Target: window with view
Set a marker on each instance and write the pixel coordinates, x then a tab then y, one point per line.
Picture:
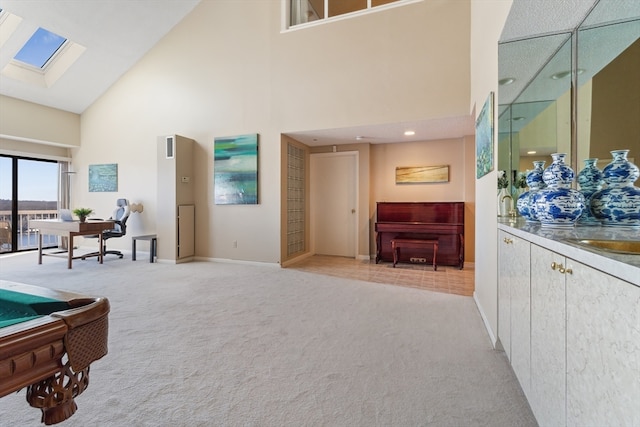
303	11
28	190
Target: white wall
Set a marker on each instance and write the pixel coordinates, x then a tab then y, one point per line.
386	157
18	147
487	20
227	69
26	121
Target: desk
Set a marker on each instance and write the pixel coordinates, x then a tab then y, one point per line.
48	339
70	229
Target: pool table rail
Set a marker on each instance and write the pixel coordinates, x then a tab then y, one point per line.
32	353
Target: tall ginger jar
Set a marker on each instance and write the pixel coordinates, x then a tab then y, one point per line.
558	205
618	204
590	180
535	183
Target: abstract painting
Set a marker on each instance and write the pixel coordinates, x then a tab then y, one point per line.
103	178
484	139
422	174
235	170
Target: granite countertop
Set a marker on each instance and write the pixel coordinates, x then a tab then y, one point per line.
622	266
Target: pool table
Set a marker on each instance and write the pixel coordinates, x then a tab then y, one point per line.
48	339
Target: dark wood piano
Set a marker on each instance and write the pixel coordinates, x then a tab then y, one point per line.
443	221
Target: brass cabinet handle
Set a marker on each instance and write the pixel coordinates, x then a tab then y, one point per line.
507	240
567	271
561	269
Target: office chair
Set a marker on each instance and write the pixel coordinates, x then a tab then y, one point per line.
119	216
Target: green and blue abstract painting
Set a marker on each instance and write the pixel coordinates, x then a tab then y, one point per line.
235	170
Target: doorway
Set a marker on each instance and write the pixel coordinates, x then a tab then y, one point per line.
333	203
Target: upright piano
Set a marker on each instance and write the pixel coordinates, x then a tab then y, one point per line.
443	221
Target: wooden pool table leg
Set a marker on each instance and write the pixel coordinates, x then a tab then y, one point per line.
54	396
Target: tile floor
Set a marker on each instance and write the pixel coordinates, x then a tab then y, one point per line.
447	279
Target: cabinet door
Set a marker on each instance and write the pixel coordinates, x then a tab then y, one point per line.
603	349
548	343
514	304
504	290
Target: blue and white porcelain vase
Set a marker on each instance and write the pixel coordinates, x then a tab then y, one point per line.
535	183
590	180
558	205
618	205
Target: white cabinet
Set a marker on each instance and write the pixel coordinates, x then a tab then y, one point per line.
548	345
504	291
603	349
572	335
514	304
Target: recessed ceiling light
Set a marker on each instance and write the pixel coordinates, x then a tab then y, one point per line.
409	133
359	138
563	74
506	81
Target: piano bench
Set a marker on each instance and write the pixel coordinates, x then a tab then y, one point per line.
398	243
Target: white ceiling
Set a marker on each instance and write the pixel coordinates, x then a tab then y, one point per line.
532	61
521	57
118	33
115	33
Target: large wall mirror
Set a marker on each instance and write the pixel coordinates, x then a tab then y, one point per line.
538	112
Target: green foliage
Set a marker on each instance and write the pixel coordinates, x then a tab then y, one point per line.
82	212
521	180
503	181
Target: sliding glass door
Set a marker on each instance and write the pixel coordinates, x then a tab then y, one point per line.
28	190
6	197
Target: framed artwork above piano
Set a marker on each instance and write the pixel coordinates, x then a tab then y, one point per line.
442	221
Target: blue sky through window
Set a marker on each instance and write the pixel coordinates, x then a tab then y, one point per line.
40	48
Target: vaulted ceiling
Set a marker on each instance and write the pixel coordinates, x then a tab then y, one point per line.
117	34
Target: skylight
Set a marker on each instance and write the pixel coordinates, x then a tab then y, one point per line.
42	45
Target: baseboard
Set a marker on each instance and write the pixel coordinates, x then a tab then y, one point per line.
487	326
299	258
238	261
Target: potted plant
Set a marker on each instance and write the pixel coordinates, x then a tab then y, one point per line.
82	213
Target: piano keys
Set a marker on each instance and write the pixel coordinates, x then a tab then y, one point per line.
443	221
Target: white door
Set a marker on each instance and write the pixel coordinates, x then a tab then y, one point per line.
333	200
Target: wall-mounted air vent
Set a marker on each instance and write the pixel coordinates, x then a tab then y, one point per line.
169	147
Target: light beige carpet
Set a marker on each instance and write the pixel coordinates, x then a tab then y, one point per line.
221	344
